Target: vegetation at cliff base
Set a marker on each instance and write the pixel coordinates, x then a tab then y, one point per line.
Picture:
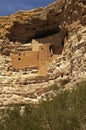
67	111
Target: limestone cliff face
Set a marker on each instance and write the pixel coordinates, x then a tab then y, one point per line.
65	16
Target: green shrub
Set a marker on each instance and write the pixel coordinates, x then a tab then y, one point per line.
67	111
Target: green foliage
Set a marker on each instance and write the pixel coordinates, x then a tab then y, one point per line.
67	111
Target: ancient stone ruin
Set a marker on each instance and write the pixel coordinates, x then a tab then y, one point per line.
42	47
39	53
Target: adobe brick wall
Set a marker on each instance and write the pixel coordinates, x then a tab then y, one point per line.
31	58
40	56
25	59
35	45
55	39
44	54
58	50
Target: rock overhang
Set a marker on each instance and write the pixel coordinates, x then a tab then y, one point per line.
26	25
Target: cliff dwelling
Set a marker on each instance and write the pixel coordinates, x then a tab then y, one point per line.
39	54
48	43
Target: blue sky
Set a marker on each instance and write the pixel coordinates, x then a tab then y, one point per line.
8	7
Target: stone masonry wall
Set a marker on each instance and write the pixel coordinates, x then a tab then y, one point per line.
25	59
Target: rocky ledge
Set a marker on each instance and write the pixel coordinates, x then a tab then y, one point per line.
69	69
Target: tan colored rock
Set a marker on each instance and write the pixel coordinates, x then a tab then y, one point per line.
66	17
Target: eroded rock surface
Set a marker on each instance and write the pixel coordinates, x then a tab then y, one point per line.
65	16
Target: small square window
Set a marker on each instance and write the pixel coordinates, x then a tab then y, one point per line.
19	58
